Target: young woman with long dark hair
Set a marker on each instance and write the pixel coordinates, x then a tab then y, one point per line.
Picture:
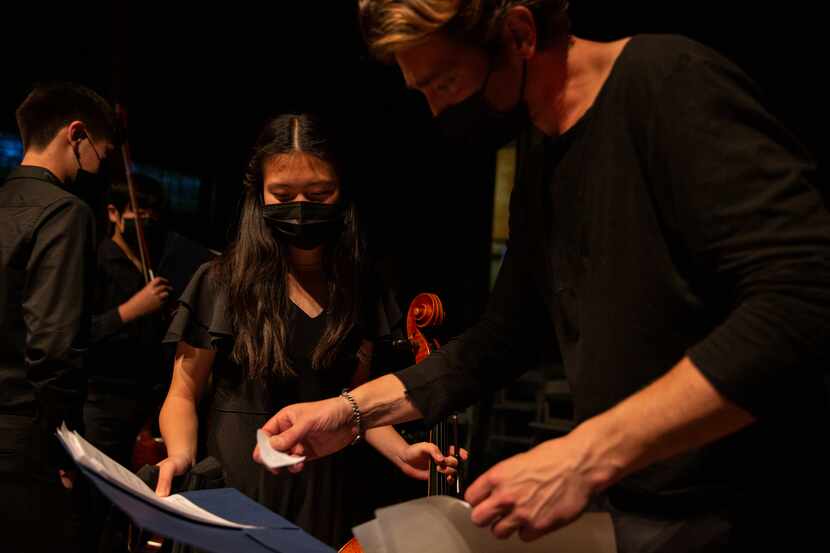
287	314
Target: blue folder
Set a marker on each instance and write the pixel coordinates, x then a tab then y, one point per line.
275	535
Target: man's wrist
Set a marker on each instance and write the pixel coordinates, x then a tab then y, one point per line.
606	450
354	415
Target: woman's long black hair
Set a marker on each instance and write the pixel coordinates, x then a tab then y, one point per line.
254	270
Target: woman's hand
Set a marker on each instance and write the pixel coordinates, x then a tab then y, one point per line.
175	465
414	461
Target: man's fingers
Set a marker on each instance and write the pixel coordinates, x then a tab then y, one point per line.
505	527
287	439
489	512
278	423
480	489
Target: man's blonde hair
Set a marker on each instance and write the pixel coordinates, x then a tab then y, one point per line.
390	25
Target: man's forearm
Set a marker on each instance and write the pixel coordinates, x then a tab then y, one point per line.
383	401
677	413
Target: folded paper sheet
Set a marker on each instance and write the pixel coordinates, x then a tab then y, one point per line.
272	458
441	524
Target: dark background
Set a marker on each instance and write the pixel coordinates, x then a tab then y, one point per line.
198	83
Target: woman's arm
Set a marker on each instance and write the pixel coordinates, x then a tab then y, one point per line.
178	420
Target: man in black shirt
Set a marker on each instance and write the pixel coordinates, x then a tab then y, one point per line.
46	275
667	235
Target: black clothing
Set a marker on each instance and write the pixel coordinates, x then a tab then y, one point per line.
129	367
46	277
677	217
321	499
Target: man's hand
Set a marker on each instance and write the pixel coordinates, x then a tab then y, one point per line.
541	490
312	430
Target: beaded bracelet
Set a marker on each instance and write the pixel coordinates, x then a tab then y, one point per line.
355	414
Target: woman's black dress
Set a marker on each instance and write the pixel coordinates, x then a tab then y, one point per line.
319	499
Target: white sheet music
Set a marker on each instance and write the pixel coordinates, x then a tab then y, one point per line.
92	458
441	524
272	458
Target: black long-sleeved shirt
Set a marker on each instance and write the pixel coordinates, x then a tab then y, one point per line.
132	353
46	275
676	218
122	352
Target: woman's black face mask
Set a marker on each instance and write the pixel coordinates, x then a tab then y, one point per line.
304	225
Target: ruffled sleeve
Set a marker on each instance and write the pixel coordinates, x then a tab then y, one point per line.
202	319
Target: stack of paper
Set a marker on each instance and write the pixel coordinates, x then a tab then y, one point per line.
441	524
89	456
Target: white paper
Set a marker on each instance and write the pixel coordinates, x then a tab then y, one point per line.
441	524
84	453
370	537
272	458
420	525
